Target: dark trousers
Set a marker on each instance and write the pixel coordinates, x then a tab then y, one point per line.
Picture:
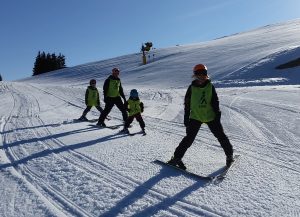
215	127
110	102
139	119
88	108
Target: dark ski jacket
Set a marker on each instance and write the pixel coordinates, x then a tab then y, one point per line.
187	100
106	87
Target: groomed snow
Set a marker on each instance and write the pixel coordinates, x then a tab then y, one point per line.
53	166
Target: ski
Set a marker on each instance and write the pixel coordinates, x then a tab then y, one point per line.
186	172
110	127
223	174
142	133
113	127
91	120
219	176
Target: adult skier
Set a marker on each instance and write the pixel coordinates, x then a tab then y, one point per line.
135	109
201	105
113	91
91	99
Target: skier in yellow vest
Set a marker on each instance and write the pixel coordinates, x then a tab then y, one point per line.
113	91
135	108
201	106
91	99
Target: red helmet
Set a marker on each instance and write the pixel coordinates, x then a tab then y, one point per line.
200	69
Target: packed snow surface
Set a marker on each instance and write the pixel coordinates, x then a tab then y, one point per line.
53	166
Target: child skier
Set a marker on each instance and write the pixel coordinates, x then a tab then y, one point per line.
201	105
134	107
91	99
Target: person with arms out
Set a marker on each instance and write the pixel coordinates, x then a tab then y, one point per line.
113	91
91	99
201	105
135	109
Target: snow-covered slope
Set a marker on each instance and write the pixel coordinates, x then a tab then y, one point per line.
227	58
53	166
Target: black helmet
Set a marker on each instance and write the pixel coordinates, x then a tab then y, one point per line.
92	81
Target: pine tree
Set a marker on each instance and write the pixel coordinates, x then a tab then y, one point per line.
0	77
62	61
48	62
37	64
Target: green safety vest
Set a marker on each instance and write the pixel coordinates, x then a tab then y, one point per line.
113	88
201	108
93	96
134	106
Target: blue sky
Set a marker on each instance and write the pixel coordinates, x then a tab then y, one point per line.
91	30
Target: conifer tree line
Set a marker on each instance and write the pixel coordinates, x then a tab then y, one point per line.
48	62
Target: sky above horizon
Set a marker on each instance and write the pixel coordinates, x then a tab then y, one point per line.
87	31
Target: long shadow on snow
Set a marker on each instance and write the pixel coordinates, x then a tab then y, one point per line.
164	204
33	127
61	149
52	136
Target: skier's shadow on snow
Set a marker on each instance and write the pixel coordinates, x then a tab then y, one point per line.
31	127
47	152
166	201
51	136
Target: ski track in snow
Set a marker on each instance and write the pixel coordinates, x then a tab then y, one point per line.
51	166
53	169
78	162
279	149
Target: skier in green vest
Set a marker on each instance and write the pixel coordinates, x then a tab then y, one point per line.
135	108
113	91
201	106
91	99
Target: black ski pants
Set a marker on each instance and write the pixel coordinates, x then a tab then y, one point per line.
139	119
88	108
109	104
215	127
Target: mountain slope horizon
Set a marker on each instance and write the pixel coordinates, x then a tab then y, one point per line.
256	53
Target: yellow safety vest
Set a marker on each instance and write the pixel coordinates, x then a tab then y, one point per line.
134	107
93	96
113	88
201	108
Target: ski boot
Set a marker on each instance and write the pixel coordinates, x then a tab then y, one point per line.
143	131
125	130
229	161
82	118
177	163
